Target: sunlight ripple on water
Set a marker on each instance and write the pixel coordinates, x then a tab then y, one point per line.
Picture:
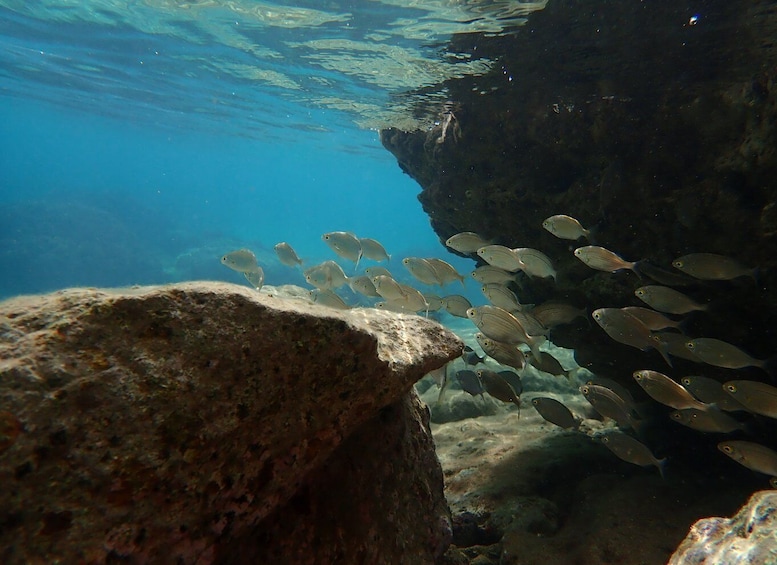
268	63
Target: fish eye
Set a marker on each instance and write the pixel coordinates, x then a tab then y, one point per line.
676	416
535	401
727	449
686	381
677	264
690	345
605	439
731	388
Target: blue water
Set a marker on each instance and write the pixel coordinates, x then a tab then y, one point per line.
141	143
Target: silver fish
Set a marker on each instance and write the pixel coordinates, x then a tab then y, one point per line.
665	299
500	325
652	319
287	255
433	302
456	305
373	272
710	391
421	270
503	353
345	244
394	306
388	288
466	242
255	278
752	455
712	267
470	382
327	298
501	257
555	412
632	451
675	343
499	295
721	354
565	227
470	356
756	397
446	273
489	274
625	328
610	405
547	364
327	275
363	285
497	387
603	259
531	324
665	390
551	314
709	419
614	386
242	261
413	299
372	249
535	263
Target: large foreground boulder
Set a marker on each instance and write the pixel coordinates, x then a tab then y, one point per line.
206	422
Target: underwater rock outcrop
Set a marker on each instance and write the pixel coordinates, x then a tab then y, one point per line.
648	123
206	422
748	537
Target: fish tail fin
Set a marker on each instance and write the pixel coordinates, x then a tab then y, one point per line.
635	268
358	258
663	348
534	345
661	464
590	234
770	367
682	326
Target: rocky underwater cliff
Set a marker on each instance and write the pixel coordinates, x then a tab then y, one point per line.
653	124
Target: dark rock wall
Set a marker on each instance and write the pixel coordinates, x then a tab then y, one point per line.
655	130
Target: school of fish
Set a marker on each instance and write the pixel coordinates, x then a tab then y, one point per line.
511	333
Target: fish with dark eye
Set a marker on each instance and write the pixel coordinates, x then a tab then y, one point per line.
327	298
632	451
628	330
345	244
373	249
711	391
712	267
610	405
374	271
470	382
499	295
242	261
752	455
666	390
756	397
501	257
555	412
653	320
422	270
286	254
535	263
498	387
501	325
722	354
668	300
327	275
363	285
456	305
565	227
466	242
603	259
446	273
709	420
503	353
547	364
489	274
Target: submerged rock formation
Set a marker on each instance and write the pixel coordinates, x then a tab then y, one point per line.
207	422
748	537
648	122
